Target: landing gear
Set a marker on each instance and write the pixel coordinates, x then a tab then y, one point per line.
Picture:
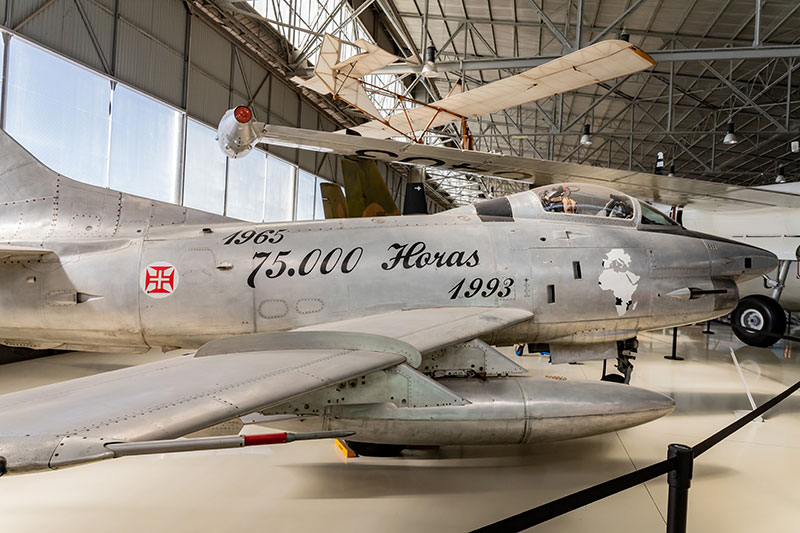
758	320
519	348
625	351
371	449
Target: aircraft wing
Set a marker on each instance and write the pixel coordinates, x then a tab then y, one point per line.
226	379
76	421
649	187
594	64
431	329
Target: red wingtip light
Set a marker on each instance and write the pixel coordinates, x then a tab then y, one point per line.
243	114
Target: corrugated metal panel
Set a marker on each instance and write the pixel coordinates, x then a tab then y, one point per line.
59	26
208	99
287	154
283	105
329	167
210	51
261	101
253	74
260	112
163	19
308	117
21	10
148	64
326	124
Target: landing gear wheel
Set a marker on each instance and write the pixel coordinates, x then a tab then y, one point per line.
613	378
371	449
762	314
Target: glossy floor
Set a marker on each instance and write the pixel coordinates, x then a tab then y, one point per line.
746	483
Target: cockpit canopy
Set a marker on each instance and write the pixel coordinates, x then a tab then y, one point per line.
585	200
578	201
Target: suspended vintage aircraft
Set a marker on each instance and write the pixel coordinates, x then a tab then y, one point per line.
378	327
343	79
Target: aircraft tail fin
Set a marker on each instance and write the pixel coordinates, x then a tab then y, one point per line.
367	193
333	201
37	204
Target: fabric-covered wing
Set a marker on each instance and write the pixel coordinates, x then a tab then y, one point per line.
596	63
343	78
431	329
227	378
650	187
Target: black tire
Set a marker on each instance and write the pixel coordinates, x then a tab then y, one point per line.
761	313
613	378
371	449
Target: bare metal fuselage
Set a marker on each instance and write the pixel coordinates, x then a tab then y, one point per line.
236	278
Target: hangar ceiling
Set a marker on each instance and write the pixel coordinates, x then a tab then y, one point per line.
717	62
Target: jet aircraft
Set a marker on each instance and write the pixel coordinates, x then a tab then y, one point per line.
381	328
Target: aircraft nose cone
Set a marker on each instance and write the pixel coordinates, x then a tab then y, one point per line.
763	262
579	409
738	261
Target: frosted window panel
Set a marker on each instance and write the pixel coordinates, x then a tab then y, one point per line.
246	178
280	190
204	170
59	112
145	146
306	187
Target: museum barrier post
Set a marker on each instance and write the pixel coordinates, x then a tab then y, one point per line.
679	480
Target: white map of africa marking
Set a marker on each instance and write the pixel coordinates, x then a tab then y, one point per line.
619	280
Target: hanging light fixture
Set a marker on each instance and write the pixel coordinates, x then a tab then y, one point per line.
586	138
429	69
730	137
780	178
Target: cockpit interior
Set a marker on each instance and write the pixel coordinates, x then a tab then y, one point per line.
580	200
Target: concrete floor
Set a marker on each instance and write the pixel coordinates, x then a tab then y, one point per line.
746	483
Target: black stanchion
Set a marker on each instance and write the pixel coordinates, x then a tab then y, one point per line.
674	356
708	331
679	480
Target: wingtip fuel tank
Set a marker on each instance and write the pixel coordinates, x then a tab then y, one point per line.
511	410
237	133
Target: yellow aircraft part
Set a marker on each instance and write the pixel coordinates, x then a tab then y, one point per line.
367	194
344	449
333	202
